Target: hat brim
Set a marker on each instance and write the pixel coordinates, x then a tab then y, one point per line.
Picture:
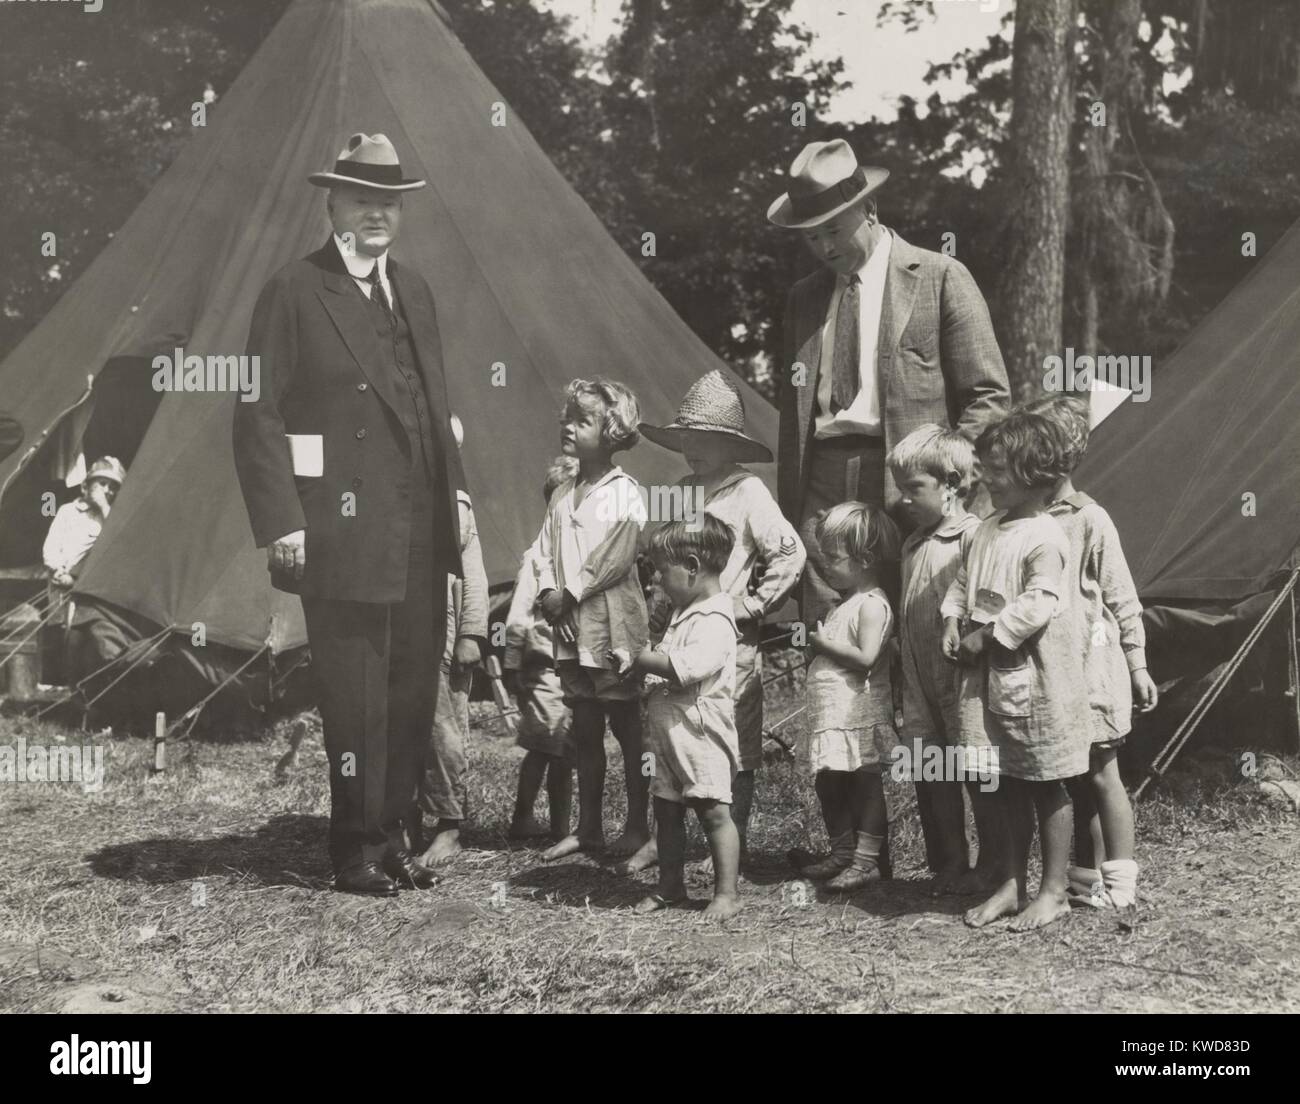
779	214
740	449
330	180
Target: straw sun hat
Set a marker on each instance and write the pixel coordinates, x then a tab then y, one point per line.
714	407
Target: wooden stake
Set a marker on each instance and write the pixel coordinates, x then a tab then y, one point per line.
159	743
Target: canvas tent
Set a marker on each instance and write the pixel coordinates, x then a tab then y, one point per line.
522	272
1203	483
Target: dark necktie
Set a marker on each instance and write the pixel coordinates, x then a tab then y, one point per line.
377	290
847	350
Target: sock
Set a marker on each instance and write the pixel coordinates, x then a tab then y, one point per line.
1121	876
867	852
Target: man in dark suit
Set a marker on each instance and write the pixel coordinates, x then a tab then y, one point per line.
350	478
883	338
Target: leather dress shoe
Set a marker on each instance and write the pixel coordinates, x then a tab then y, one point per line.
367	879
408	871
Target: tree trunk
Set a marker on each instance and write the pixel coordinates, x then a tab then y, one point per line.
1030	302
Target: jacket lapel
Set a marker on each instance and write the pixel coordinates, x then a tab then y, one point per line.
417	308
901	283
347	308
811	318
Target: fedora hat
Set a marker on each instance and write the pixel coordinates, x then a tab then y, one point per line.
712	406
825	180
370	161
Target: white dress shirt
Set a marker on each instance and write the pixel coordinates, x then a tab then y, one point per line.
863	415
359	266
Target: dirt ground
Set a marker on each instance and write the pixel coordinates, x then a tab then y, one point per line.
205	889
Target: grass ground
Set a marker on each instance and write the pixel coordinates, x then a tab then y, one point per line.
205	889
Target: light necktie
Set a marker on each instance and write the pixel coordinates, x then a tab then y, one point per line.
847	351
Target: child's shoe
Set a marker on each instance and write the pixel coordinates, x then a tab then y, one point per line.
839	858
1086	888
866	865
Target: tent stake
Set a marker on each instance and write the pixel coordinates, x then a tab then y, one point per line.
159	743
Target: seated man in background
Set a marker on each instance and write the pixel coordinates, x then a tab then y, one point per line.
77	525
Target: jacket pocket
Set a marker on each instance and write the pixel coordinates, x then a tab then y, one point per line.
1011	681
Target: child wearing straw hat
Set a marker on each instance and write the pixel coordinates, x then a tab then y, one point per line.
709	432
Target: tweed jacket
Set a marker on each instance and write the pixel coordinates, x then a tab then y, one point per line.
937	360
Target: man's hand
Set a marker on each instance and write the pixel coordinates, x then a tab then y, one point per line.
951	639
466	653
1145	694
289	554
740	611
973	645
566	629
552	605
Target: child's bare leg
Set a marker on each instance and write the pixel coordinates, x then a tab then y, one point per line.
1009	818
670	830
625	720
991	831
524	825
870	826
742	802
948	823
559	793
1114	810
724	847
1055	827
834	794
589	748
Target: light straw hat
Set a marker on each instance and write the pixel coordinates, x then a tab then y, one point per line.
712	406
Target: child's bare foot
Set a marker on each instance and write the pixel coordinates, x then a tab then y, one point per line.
655	902
946	881
568	846
445	847
646	857
528	828
1006	901
1043	910
723	907
973	882
853	878
629	843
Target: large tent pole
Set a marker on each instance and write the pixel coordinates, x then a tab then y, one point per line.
1293	670
1169	752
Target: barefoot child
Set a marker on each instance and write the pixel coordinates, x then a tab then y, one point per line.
544	720
589	592
850	695
1022	683
934	471
709	431
1110	637
690	711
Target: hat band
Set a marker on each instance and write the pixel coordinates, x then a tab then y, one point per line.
374	174
810	206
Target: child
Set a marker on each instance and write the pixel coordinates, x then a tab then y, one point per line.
934	470
77	524
1022	688
850	695
544	721
589	592
709	432
690	712
442	791
1109	633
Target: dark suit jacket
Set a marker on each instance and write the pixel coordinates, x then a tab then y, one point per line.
938	360
321	374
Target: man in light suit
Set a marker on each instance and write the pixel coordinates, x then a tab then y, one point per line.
884	337
350	475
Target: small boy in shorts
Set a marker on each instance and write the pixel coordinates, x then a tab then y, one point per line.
691	711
